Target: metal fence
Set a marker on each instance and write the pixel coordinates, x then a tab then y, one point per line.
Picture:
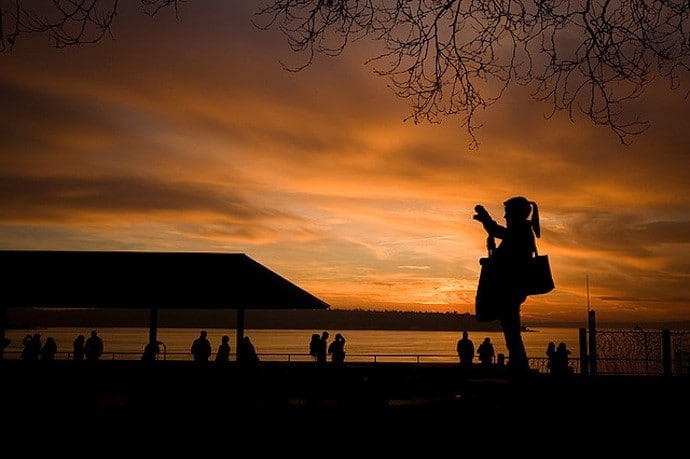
639	352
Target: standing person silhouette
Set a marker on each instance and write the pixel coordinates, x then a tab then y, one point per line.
32	346
551	355
93	347
78	348
323	348
486	352
223	354
337	349
561	367
314	345
201	348
49	349
246	353
151	351
512	257
465	349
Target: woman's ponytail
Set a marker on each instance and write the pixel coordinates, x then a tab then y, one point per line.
535	219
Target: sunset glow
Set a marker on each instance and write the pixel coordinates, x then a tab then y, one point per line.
187	135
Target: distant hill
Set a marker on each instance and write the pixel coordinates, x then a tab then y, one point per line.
613	325
332	319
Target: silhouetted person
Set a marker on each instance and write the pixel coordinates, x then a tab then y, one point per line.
151	351
246	354
314	345
551	356
26	350
223	354
93	347
78	347
465	349
32	347
485	352
511	260
49	349
201	348
323	348
337	349
561	367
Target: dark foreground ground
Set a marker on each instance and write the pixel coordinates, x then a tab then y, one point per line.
296	405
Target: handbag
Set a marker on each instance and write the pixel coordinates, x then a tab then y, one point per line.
539	279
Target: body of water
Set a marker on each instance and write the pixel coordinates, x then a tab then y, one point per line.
281	345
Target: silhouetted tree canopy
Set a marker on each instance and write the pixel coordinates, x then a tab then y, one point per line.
453	57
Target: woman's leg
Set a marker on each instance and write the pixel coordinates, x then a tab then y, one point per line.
510	323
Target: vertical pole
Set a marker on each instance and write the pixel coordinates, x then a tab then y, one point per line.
666	352
240	332
592	343
584	361
153	325
3	327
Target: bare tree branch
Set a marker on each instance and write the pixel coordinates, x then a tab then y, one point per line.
451	57
65	22
454	57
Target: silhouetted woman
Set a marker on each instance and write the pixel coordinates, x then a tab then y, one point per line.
78	347
551	355
49	349
511	260
246	353
314	345
322	350
223	354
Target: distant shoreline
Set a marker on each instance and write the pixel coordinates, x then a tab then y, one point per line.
344	319
353	319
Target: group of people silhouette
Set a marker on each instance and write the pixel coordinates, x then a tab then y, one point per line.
557	363
319	348
466	351
201	350
82	348
91	348
35	349
558	359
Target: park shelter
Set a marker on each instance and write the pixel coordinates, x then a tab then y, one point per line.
150	280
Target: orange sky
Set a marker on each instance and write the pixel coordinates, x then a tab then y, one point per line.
188	135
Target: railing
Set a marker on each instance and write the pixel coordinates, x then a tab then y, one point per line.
270	357
536	363
619	364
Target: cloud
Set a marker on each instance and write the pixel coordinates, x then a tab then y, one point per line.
187	134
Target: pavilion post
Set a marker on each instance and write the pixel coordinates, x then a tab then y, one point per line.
153	325
3	327
240	332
